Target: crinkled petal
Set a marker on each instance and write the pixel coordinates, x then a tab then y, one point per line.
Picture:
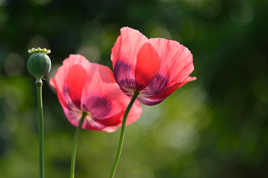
105	101
91	124
124	56
157	98
69	80
176	59
71	112
127	46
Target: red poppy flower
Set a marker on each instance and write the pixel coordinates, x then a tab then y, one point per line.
82	86
154	67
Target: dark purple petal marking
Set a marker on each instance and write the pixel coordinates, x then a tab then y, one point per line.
73	115
124	76
158	84
150	102
97	106
69	102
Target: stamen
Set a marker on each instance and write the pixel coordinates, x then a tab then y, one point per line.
39	50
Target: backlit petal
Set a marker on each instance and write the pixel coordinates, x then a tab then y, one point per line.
69	79
91	124
93	85
124	57
155	99
127	46
75	82
147	66
105	101
176	59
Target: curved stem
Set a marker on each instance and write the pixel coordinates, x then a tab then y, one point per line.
76	136
39	84
121	139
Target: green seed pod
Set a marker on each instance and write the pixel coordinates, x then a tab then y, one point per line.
39	64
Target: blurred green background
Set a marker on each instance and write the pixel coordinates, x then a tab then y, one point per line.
215	127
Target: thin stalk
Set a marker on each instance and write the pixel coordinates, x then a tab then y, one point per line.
122	133
39	84
76	136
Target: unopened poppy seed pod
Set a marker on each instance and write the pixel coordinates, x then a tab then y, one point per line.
39	63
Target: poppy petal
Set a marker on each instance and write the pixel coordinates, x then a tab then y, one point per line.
91	124
54	84
147	66
70	111
127	46
124	57
176	59
158	98
105	101
94	86
156	86
99	90
75	81
115	118
66	87
125	77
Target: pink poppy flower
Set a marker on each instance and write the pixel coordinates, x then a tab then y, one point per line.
154	67
82	86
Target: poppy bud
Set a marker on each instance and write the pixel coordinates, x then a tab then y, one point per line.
39	63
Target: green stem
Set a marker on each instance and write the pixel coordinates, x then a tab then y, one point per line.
121	139
76	135
39	84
